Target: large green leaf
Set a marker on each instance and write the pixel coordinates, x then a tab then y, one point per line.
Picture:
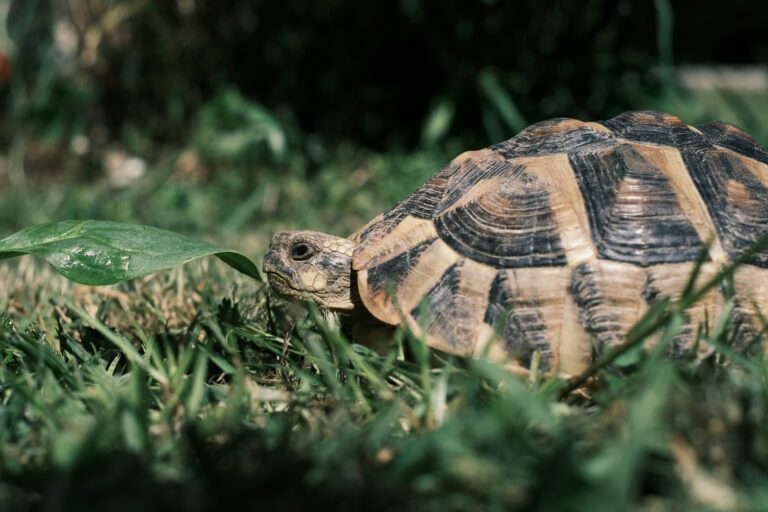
101	252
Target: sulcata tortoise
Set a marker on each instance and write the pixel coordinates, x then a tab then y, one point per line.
554	242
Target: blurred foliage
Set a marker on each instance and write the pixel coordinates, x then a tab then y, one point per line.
369	72
190	194
734	32
249	97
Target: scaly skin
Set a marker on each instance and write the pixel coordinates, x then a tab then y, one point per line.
312	266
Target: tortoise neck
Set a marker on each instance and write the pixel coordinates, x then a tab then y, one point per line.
359	314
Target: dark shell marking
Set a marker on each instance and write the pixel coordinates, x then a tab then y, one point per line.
442	312
730	137
389	276
553	136
633	211
735	195
520	322
502	218
652	128
568	232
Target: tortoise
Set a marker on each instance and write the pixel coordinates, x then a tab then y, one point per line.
552	244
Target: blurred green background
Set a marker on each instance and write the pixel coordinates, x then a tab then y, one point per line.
234	118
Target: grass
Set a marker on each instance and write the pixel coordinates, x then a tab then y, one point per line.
196	389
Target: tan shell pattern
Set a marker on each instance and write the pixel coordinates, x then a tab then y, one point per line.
556	241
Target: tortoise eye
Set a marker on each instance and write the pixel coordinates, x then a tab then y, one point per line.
301	252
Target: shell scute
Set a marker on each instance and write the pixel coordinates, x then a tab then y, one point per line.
503	219
729	136
735	190
650	127
554	136
633	208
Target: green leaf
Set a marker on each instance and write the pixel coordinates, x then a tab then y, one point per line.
102	252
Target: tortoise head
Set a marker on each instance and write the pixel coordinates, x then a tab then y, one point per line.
311	266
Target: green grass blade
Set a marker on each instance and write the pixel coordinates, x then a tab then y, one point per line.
197	390
438	121
505	106
123	344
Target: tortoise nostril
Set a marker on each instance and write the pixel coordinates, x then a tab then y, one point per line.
270	262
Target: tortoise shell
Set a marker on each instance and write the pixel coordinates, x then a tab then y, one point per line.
558	240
